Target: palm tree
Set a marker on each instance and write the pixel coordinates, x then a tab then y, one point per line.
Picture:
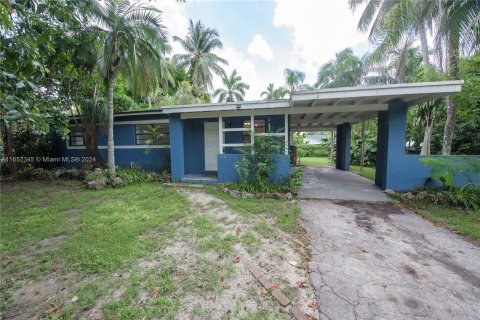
273	93
389	20
234	88
345	71
293	79
397	66
133	35
200	61
460	25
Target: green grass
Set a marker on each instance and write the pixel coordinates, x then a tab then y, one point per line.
368	172
60	227
463	222
109	246
315	161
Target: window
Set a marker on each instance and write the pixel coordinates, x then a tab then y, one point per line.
259	128
76	138
152	134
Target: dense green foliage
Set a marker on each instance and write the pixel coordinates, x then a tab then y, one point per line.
257	166
443	169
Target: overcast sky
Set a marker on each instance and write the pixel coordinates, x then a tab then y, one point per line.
262	38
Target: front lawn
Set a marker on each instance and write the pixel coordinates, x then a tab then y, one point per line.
461	221
144	251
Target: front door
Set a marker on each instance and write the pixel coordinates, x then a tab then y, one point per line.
211	146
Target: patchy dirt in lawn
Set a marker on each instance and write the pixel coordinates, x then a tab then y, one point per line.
205	278
240	293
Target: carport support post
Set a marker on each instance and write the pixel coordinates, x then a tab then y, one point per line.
177	157
343	147
392	128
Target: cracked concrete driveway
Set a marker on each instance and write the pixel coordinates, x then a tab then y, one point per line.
376	261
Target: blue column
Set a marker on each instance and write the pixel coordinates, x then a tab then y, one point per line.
392	128
343	147
177	157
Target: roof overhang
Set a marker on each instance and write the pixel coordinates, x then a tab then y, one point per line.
324	109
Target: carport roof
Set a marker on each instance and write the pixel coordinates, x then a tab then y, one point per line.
323	109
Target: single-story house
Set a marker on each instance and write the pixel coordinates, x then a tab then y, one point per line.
200	142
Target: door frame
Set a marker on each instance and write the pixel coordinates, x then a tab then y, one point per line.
210	123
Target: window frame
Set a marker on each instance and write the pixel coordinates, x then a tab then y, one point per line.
75	133
164	129
246	135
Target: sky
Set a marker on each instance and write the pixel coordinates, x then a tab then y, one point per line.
262	38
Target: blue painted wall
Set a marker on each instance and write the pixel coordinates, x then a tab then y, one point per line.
124	134
343	147
394	168
177	160
227	172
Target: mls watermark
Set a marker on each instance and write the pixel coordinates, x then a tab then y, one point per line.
38	159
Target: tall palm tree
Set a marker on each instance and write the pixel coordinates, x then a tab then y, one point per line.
273	93
460	25
234	89
293	80
345	71
199	60
133	35
388	20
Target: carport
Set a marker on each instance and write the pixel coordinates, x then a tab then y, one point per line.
338	109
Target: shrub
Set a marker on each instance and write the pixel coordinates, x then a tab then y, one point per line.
445	168
258	163
257	166
312	150
467	197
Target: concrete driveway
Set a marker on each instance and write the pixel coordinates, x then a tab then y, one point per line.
330	183
376	261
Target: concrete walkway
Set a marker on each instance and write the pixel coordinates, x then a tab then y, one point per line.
376	261
332	184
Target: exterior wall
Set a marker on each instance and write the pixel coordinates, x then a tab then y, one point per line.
126	152
394	168
227	172
343	147
177	159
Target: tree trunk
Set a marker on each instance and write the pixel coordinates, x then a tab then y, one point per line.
8	151
362	155
111	147
427	138
453	56
424	43
91	151
332	143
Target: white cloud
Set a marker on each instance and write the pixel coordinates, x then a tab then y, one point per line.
319	30
259	47
175	19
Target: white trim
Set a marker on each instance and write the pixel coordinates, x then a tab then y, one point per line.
220	135
352	97
235	129
235	144
139	146
156	121
229	106
271	134
281	111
